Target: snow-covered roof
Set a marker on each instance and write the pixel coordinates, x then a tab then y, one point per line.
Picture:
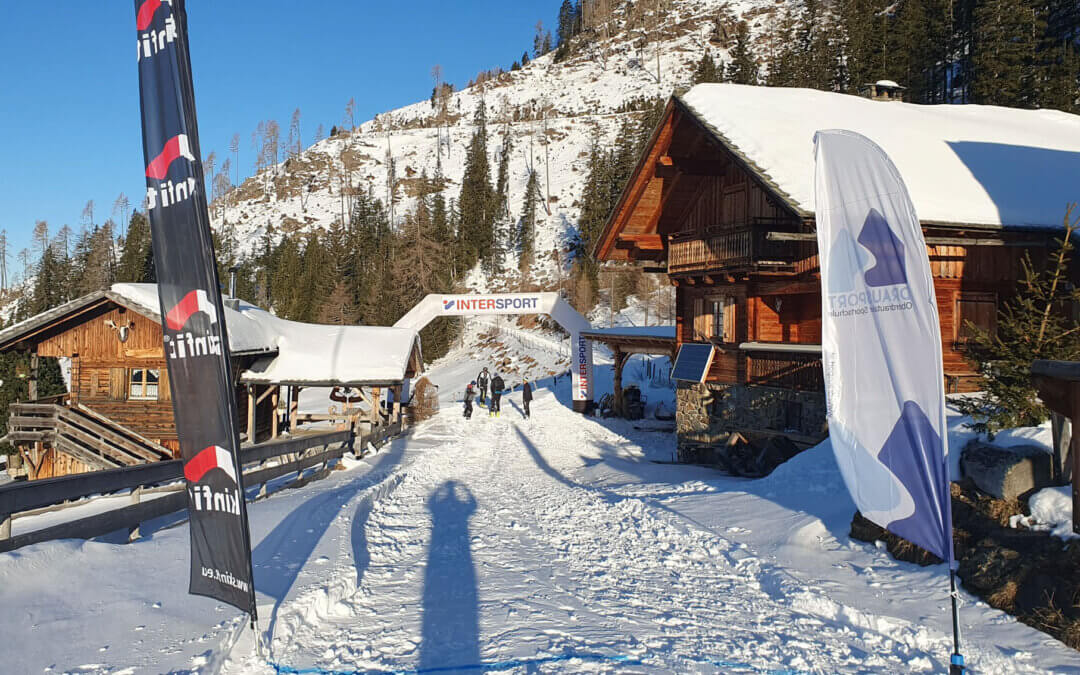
963	164
305	353
888	83
247	334
333	355
643	332
295	353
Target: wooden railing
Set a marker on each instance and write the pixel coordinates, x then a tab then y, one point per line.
788	370
724	249
27	498
93	439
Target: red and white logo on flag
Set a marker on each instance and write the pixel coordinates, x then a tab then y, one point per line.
210	457
176	147
194	302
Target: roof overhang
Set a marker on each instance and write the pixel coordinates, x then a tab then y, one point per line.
260	372
616	243
647	340
40	326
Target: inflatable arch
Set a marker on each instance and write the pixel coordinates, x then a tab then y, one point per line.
434	306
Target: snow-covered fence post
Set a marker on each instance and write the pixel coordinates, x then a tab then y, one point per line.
136	497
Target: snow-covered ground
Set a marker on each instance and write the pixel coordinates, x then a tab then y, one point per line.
555	544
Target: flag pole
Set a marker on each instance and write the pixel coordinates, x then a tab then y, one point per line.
956	663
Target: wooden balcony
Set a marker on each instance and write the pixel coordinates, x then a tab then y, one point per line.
743	248
801	372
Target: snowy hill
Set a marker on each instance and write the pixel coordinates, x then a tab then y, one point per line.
549	111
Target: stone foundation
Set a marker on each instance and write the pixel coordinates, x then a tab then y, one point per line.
706	414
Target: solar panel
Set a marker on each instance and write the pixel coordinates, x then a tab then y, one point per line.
693	362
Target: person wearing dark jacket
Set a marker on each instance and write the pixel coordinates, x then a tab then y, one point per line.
497	386
468	400
526	396
482	381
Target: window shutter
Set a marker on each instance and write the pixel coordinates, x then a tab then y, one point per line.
978	308
117	384
729	319
699	319
163	391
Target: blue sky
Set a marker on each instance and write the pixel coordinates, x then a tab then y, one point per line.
69	109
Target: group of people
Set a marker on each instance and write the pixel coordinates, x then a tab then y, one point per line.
486	381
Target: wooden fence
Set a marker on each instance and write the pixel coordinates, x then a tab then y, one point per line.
28	498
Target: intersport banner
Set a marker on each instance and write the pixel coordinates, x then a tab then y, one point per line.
191	308
881	343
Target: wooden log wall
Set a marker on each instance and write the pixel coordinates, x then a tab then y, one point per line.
727	201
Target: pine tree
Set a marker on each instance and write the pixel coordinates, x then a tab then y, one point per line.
477	201
526	233
1030	326
502	181
314	282
338	308
743	68
47	292
1004	47
136	259
707	70
565	28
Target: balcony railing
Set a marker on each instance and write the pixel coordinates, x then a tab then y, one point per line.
727	249
801	372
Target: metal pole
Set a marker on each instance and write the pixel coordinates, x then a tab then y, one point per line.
956	663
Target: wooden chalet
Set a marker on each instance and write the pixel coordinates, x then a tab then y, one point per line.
722	202
118	410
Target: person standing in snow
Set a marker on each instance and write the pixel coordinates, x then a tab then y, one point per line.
468	400
526	396
497	386
482	381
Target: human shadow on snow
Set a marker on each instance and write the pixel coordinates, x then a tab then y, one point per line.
450	630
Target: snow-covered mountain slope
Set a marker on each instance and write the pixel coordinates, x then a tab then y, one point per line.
549	111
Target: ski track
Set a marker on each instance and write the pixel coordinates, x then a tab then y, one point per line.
484	549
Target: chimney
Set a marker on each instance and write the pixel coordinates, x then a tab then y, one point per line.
232	301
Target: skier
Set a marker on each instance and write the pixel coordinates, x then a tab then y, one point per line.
526	396
468	400
497	386
482	381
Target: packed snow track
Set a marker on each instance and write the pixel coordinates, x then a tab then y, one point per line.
495	550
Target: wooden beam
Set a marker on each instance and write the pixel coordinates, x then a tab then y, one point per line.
274	403
374	402
643	241
638	182
294	407
251	414
930	241
33	384
620	361
786	287
262	396
690	166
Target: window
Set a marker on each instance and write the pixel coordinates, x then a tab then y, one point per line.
143	384
973	309
714	318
